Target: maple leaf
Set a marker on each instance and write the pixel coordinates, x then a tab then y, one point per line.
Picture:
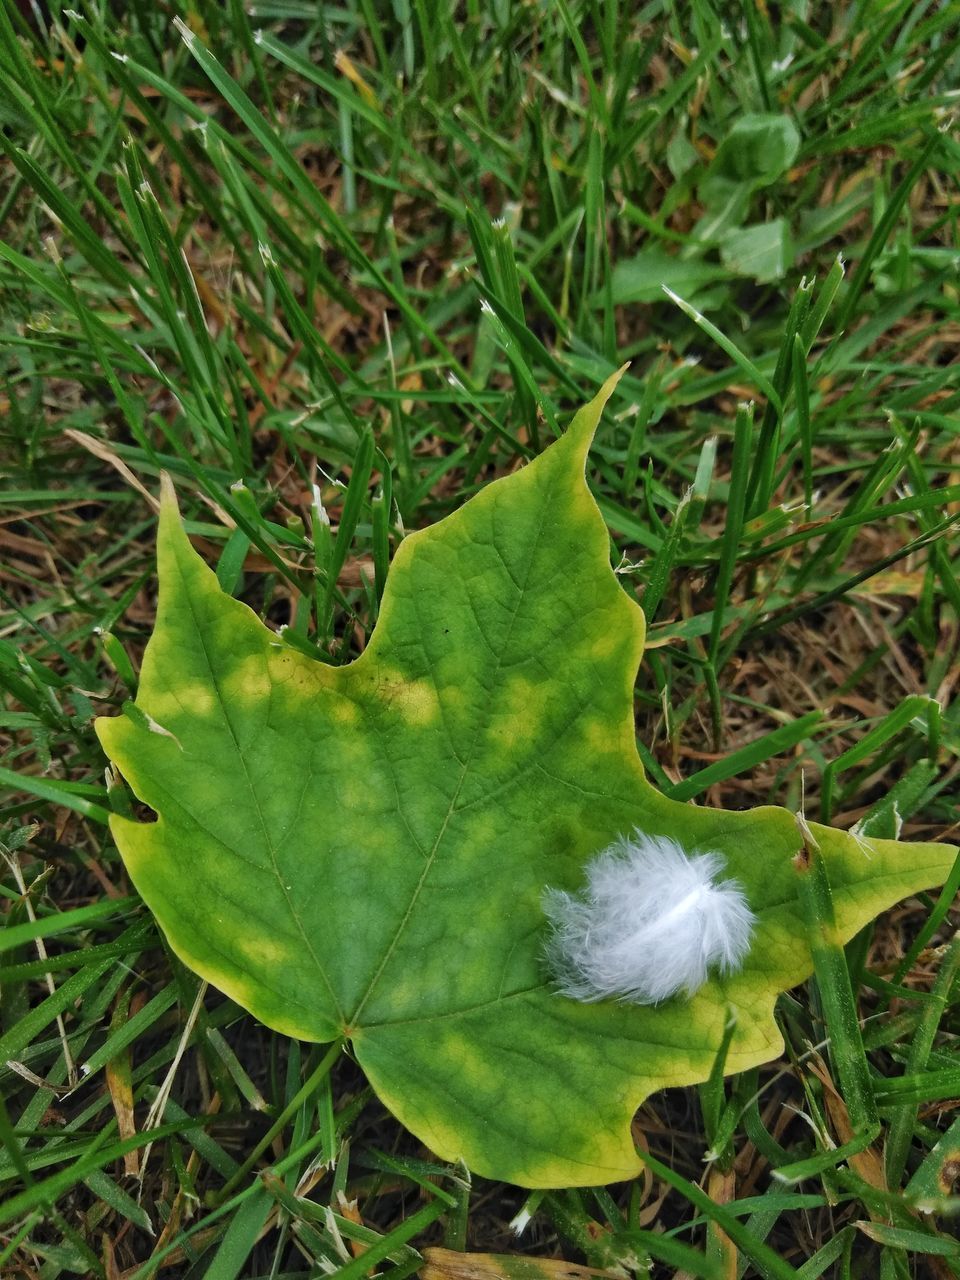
362	851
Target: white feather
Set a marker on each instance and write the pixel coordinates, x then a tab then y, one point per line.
650	923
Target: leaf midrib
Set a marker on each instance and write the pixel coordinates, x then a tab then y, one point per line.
522	587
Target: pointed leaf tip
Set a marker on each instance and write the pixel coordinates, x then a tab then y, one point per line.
168	494
169	517
584	425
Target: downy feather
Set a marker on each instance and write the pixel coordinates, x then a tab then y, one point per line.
650	923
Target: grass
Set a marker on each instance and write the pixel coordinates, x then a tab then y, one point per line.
377	253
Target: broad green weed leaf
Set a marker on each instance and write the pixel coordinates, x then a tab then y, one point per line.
755	153
642	277
361	850
764	251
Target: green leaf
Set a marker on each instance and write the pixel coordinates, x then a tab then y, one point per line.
641	278
764	251
361	851
756	152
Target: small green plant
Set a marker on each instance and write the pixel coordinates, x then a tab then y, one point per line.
361	852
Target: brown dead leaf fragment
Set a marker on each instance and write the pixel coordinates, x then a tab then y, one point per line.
722	1190
119	1073
350	1209
868	1163
448	1264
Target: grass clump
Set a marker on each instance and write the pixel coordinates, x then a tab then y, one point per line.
334	268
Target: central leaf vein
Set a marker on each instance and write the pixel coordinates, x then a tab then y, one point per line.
521	589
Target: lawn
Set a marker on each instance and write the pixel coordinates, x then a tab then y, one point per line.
334	269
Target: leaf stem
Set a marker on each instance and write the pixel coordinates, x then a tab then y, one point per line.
301	1096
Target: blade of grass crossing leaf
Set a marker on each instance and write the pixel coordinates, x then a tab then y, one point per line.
713	1098
900	1136
231	561
836	992
886	815
119	659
